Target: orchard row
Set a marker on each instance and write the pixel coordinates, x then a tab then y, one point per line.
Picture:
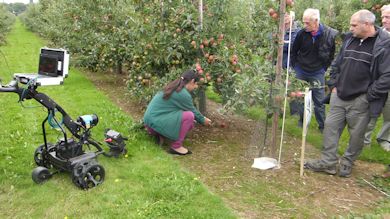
233	47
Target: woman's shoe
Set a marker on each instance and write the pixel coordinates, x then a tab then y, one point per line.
173	151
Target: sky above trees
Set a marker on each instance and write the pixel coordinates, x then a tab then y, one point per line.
17	1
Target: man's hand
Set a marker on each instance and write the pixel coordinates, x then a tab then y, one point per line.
334	90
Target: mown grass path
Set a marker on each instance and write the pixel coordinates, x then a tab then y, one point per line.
146	184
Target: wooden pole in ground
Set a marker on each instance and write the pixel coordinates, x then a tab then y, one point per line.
278	76
200	14
304	132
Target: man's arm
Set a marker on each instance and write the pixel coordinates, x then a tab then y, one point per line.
333	35
336	63
334	71
381	86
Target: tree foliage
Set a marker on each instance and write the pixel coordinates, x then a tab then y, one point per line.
16	8
6	20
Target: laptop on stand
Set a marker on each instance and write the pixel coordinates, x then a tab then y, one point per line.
53	68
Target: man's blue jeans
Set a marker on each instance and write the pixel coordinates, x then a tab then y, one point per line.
318	91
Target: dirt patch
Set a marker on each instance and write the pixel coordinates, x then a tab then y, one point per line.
223	155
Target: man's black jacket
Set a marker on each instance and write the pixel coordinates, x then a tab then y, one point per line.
326	47
379	69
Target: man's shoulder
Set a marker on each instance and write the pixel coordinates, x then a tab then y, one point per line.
346	35
383	38
331	31
383	33
300	32
326	27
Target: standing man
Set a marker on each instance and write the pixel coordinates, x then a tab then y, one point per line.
383	136
360	81
312	53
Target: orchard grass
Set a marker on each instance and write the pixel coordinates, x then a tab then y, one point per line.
211	95
148	183
372	154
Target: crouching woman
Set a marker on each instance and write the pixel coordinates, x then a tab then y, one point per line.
171	113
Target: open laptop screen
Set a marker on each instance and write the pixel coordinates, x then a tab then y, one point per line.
48	65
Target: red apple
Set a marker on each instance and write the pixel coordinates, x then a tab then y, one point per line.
193	43
198	66
293	94
205	42
290	2
211	40
271	11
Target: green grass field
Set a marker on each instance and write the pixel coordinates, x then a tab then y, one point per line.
147	184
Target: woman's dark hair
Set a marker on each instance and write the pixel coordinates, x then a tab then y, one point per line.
178	84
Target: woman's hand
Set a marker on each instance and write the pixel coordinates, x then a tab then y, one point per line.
207	121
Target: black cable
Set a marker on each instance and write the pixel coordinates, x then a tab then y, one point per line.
22	96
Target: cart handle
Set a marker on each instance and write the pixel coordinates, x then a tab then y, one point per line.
10	87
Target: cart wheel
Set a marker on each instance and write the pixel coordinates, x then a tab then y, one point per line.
77	175
40	175
88	176
39	156
94	176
